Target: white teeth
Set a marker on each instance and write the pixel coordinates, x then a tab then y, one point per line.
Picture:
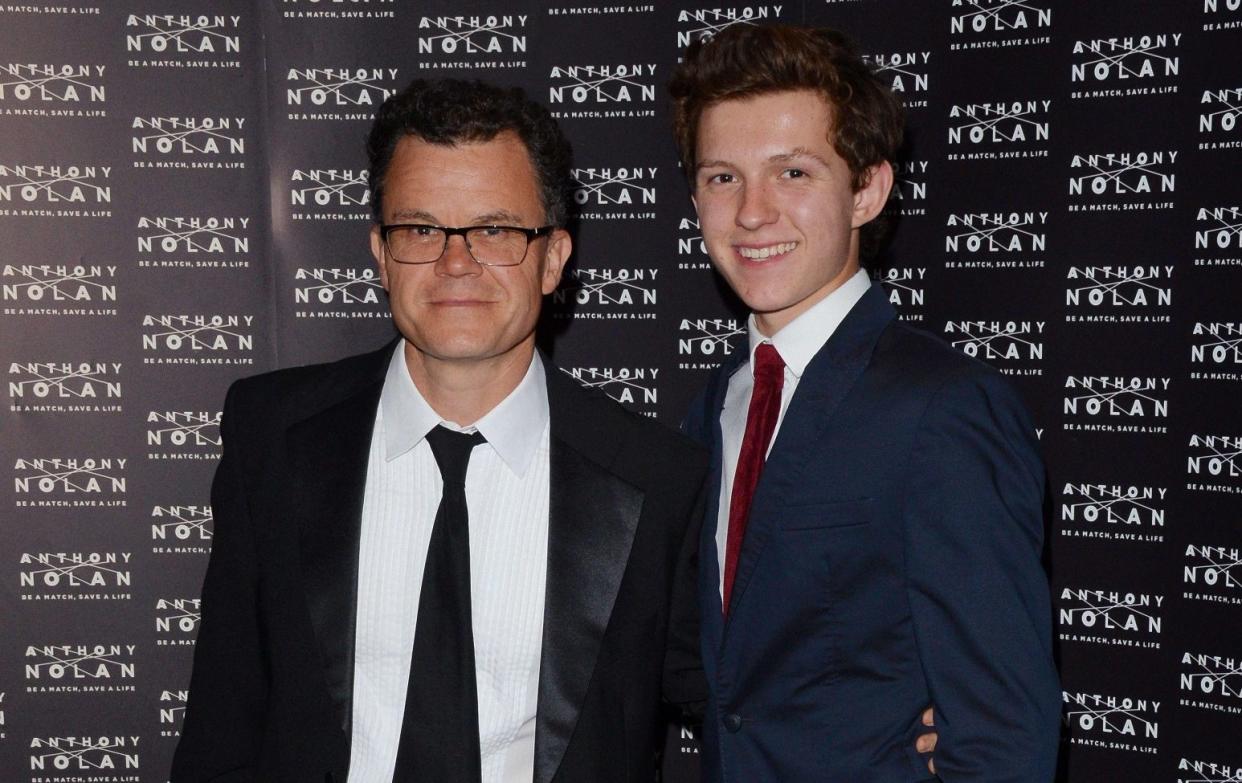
760	253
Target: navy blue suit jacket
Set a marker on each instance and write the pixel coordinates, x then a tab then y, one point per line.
892	561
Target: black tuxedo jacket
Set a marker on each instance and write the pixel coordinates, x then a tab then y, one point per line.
273	667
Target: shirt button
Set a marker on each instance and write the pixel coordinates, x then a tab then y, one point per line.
733	723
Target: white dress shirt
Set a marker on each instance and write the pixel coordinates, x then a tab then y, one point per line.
507	497
797	344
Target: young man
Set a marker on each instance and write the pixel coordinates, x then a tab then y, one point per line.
392	597
874	528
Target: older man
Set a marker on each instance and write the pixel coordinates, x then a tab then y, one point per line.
444	561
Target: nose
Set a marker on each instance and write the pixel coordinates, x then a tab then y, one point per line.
757	208
456	260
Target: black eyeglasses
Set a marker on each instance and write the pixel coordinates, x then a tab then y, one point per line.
415	243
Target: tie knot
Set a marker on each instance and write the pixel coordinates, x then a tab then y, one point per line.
452	452
768	363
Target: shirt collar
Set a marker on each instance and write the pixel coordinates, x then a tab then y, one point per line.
804	336
514	428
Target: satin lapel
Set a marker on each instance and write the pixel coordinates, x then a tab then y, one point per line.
592	520
826	381
329	455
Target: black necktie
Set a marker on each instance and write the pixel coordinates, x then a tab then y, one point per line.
440	731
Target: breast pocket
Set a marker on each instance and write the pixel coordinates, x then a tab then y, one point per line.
826	515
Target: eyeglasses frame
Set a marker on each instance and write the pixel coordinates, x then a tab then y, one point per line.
451	231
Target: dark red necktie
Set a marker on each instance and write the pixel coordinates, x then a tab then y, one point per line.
765	408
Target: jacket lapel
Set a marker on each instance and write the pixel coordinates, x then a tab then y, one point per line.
593	516
328	454
711	615
828	378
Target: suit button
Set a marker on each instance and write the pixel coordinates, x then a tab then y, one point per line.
733	723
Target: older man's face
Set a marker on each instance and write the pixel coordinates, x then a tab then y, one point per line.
456	309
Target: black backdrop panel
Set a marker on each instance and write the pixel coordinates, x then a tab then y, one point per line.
183	201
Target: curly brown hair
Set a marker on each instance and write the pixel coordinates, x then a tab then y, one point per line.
746	60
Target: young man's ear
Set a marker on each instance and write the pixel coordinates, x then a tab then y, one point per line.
377	252
560	246
870	199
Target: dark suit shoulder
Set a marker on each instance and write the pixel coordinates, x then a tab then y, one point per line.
926	363
638	448
293	393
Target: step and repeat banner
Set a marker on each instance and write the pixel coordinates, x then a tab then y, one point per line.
183	201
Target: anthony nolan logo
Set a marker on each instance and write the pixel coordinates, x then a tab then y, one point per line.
1213	574
623	193
172	712
1133	65
55	191
1113	512
1216	351
1109	617
1110	722
1211	682
634	387
198	339
337	93
909	193
996	240
1207	771
705	343
1215	464
1012	347
54	482
627	294
80	668
694	24
68	759
329	194
1218	240
594	91
992	24
335	9
338	293
176	621
905	289
188	142
64	387
1218	119
906	73
44	289
181	530
1004	129
474	41
75	576
180	435
691	249
30	90
1119	294
1122	181
1097	403
183	40
1222	14
193	242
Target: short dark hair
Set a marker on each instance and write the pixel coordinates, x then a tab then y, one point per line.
454	111
746	60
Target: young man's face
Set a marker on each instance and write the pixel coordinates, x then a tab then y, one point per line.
455	309
777	210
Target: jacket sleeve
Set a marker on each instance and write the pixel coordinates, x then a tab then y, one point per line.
228	688
973	517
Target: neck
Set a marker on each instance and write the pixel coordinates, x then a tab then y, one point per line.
464	391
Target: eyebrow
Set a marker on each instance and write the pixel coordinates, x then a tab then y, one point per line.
500	216
799	152
782	157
